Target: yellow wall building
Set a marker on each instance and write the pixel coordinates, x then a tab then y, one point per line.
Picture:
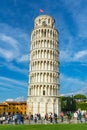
12	107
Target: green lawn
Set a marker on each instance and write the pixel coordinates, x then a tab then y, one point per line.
45	127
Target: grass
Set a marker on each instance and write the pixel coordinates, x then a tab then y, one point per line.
45	127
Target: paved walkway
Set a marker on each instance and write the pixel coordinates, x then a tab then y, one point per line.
59	121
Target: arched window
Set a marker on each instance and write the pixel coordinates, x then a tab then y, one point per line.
43	91
44	33
39	20
48	20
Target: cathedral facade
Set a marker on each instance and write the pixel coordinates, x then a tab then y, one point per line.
43	87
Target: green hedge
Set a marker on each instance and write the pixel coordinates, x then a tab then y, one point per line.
81	105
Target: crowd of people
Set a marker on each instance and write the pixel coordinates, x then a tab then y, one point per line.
68	117
12	119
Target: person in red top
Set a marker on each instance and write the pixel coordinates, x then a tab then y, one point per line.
86	117
62	115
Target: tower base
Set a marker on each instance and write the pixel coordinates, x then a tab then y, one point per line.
42	105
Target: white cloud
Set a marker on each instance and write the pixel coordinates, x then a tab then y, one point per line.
9	50
13	43
80	17
10	99
6	54
70	85
17	99
14	32
80	54
78	13
80	91
4	80
83	91
12	88
65	56
72	56
20	99
15	68
9	40
24	58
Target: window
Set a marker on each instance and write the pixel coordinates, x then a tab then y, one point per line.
44	23
48	20
43	92
39	20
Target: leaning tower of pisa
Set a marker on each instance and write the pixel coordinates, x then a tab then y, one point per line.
43	87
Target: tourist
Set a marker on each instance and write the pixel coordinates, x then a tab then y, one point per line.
79	116
35	118
51	118
55	118
85	117
75	116
46	118
22	119
62	116
68	117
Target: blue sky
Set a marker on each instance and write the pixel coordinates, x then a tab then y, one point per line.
16	23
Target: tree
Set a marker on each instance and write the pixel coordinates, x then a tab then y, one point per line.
68	104
79	96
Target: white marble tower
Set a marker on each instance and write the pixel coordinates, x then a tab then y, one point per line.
43	87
